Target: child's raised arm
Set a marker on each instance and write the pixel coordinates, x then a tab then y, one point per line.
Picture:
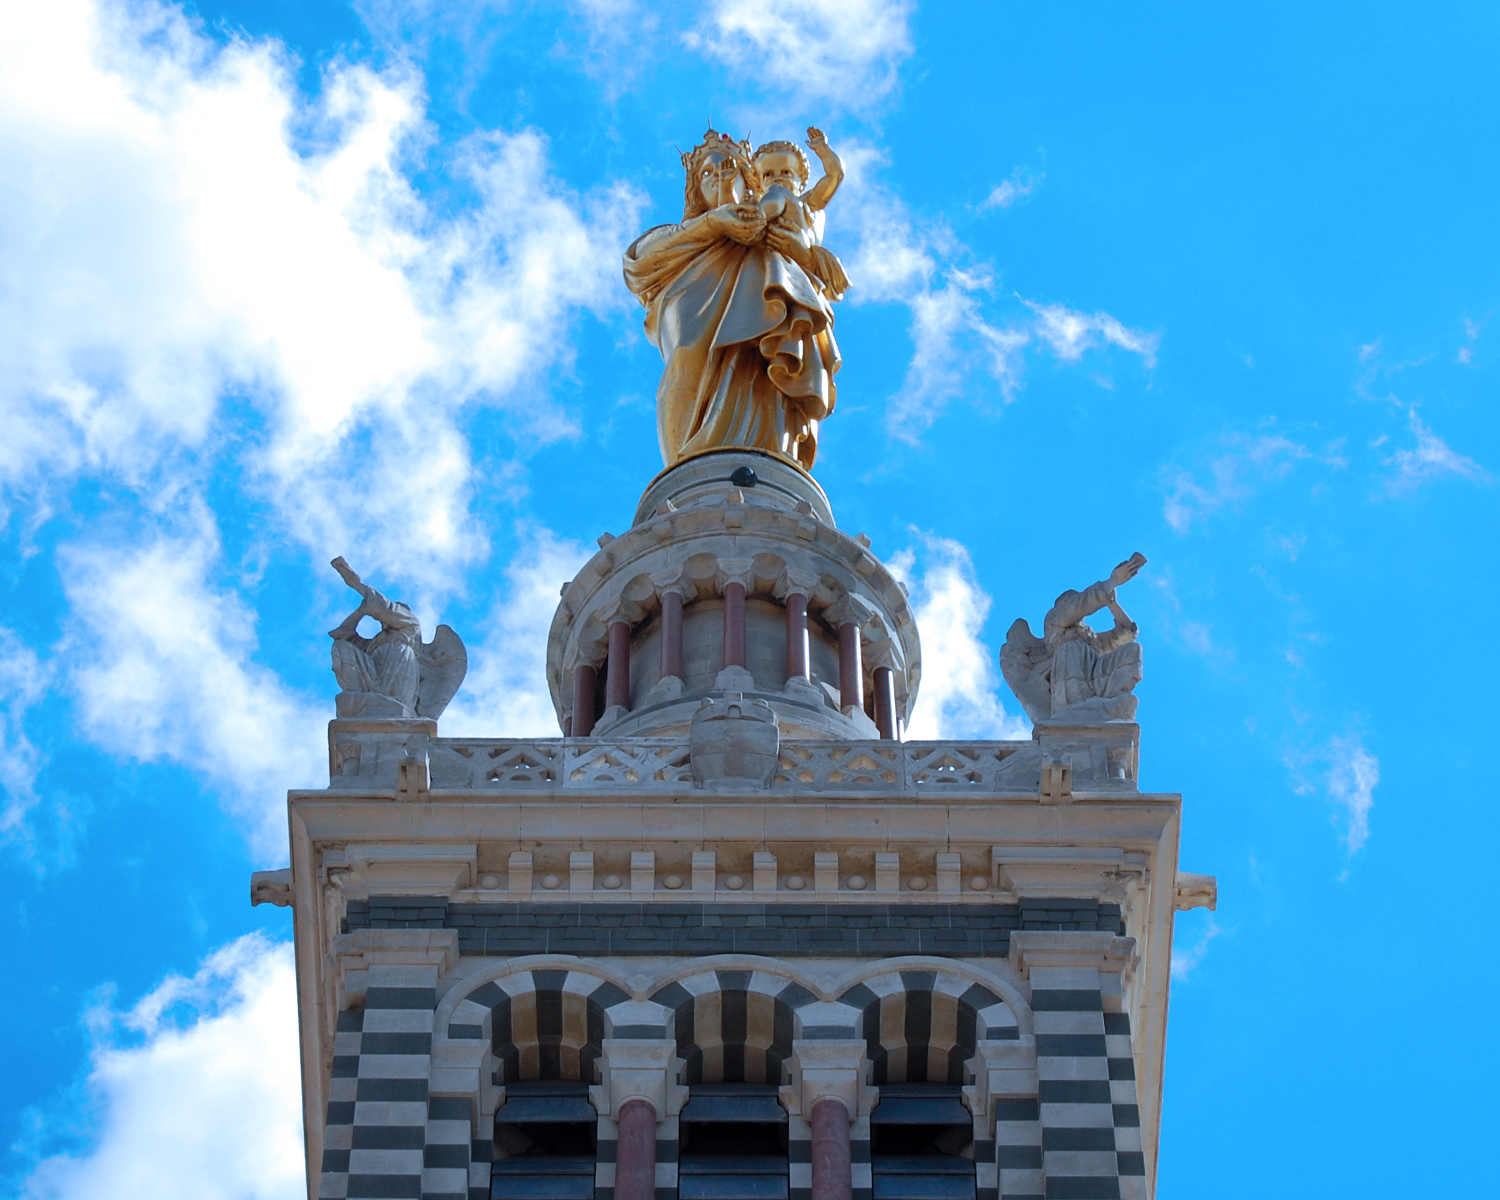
833	171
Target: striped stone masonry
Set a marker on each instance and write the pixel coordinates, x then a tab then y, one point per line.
1085	1070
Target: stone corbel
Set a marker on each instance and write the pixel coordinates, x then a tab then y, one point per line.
829	1069
1196	891
639	1069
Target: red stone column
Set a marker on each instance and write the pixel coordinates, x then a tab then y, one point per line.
617	679
832	1178
851	668
671	635
584	678
885	702
796	636
635	1152
734	624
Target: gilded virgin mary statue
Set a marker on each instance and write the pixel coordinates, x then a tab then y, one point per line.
738	300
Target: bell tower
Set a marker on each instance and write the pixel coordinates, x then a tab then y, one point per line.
732	936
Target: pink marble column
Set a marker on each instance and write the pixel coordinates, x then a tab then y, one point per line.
635	1152
617	679
796	636
851	668
832	1178
885	703
584	678
734	624
671	635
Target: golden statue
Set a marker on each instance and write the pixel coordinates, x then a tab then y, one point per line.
738	301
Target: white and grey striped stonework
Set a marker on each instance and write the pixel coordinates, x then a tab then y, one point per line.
799	1158
446	1157
1078	1090
861	1172
378	1101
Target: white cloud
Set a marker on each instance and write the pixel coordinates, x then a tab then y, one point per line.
1352	777
206	1104
1186	958
1431	458
162	662
1246	464
181	225
24	679
959	695
845	51
1070	333
1021	184
899	258
506	688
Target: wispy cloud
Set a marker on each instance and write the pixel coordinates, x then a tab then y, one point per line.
1070	333
1021	184
960	690
847	52
1239	468
24	679
901	259
160	654
196	1088
1471	339
1430	458
1353	774
507	683
1347	773
1185	959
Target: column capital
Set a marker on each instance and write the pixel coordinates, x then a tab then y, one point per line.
849	610
831	1069
638	1069
802	582
672	580
354	954
734	570
1108	952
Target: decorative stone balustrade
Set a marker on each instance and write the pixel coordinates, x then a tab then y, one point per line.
365	757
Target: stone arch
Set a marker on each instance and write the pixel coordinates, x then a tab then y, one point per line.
924	1025
548	1022
733	1025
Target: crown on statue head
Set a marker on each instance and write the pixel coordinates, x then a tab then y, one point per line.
718	143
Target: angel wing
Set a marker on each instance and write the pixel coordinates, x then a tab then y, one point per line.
443	663
1025	661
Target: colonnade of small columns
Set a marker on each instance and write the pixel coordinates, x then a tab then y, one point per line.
827	1093
845	616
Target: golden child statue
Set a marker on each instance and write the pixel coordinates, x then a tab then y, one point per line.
738	301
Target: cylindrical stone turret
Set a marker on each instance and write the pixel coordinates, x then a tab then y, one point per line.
733	584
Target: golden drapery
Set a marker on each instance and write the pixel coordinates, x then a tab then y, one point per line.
747	343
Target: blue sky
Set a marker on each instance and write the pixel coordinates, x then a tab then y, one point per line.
280	281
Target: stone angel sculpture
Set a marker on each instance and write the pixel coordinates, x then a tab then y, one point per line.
394	673
738	300
1073	674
